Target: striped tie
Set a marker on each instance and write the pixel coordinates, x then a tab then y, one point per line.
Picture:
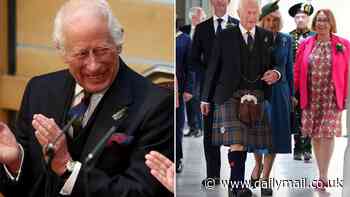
79	111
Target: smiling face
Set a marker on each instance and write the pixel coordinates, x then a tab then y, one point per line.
322	24
90	52
272	22
248	13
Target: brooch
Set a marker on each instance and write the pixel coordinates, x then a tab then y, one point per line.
339	47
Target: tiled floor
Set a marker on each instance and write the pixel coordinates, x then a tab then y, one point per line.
285	168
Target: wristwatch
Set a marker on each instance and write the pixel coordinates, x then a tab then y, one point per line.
69	169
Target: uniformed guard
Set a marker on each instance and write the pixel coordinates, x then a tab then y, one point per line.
301	13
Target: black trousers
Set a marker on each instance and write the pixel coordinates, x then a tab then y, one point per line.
211	152
194	118
180	120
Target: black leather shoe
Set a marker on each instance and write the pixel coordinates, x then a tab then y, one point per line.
297	156
244	192
198	133
266	192
208	179
232	193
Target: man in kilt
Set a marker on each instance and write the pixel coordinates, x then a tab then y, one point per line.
241	67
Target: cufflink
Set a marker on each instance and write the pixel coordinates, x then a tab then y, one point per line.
70	165
69	169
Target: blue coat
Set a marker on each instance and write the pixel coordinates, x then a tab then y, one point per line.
282	91
184	71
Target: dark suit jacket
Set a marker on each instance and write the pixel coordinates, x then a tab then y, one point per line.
202	43
120	170
184	73
223	75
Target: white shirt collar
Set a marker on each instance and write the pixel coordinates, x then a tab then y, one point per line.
178	33
78	90
224	18
244	31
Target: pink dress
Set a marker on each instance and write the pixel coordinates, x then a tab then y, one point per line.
321	118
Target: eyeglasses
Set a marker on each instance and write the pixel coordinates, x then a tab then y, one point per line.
98	52
322	20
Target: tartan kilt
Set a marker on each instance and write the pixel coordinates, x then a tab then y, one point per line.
228	130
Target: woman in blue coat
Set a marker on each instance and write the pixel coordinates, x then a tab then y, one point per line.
280	100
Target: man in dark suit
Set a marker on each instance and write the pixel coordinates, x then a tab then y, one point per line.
196	15
184	76
201	52
194	116
97	88
241	61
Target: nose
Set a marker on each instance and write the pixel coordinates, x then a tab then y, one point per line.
91	64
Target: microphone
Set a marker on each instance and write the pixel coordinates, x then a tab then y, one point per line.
50	149
120	115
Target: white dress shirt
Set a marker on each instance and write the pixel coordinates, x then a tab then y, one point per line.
244	33
223	23
193	29
9	174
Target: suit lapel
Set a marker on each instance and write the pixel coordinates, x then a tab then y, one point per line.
211	29
258	44
262	44
116	97
62	106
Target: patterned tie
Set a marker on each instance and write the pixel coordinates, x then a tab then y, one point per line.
219	28
250	41
79	111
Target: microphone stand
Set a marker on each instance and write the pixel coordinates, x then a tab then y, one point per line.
89	162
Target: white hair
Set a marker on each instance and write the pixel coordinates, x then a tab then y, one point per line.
240	3
101	6
193	11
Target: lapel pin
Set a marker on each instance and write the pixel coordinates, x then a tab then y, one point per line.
119	114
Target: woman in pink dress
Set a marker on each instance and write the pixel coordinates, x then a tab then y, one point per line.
320	77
